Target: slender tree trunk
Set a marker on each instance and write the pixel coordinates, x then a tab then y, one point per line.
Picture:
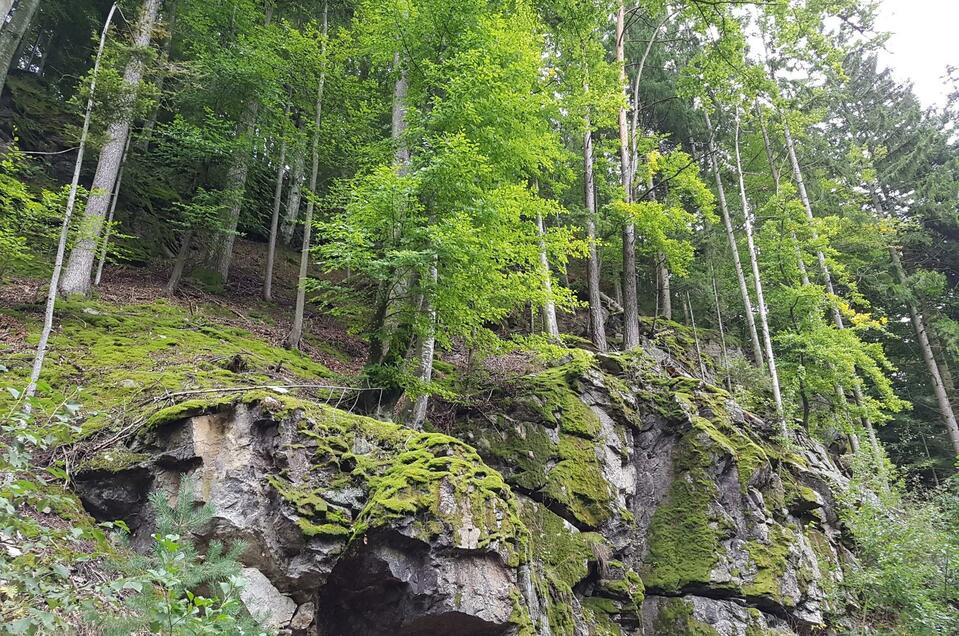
630	300
104	247
692	322
221	257
665	289
295	196
758	285
827	281
724	354
151	122
11	35
734	249
79	269
31	389
597	326
180	263
274	222
393	288
296	333
549	307
427	350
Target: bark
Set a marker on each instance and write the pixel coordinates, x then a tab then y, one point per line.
31	389
692	322
665	292
597	326
11	35
104	247
144	144
4	10
758	286
630	300
294	197
274	222
724	354
549	307
827	281
390	290
296	333
734	249
427	352
774	169
76	277
180	263
946	411
222	256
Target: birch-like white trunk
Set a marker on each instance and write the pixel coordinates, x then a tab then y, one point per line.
427	350
549	306
31	389
274	223
630	300
11	35
105	244
758	286
596	322
296	332
734	248
79	268
297	178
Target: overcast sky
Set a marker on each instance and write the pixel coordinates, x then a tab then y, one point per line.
923	43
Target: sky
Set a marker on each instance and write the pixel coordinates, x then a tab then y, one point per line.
923	43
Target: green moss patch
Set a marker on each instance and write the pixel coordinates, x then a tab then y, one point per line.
675	618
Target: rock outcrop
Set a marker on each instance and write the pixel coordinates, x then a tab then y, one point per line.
607	495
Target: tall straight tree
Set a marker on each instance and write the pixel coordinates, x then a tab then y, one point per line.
630	300
597	326
11	35
79	269
296	333
757	281
733	246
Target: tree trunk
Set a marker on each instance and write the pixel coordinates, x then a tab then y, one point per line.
4	10
427	351
11	35
597	326
758	285
113	208
734	249
274	222
692	322
180	263
549	307
221	257
938	386
296	333
79	269
31	389
630	300
147	133
724	354
393	288
665	290
295	196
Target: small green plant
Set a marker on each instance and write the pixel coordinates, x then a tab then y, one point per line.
176	591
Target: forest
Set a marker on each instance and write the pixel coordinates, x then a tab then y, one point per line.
404	210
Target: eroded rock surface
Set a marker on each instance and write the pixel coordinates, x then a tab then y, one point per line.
609	495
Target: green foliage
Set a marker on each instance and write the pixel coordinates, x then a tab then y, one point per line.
905	579
162	590
27	218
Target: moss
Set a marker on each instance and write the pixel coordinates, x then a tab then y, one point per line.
578	483
746	452
113	460
563	551
188	408
770	558
559	403
684	538
110	357
675	618
599	613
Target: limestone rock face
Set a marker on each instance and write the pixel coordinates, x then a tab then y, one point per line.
607	495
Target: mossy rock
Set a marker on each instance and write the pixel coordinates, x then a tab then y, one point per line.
675	618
